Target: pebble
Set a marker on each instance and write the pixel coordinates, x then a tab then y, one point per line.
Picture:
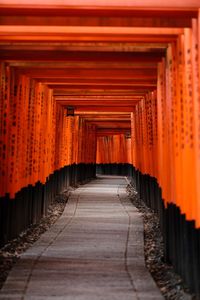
10	253
170	283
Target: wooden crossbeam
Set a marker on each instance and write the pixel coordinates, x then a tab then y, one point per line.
106	108
82	56
89	73
184	8
74	82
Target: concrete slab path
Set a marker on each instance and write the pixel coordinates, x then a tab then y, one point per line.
93	252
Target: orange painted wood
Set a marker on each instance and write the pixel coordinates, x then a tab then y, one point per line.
51	54
27	9
89	20
113	149
169	131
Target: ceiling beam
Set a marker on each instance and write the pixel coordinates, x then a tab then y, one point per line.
117	8
82	56
89	73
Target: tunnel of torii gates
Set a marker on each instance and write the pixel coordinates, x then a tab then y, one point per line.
102	86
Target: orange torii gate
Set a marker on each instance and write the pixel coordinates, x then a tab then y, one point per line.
125	71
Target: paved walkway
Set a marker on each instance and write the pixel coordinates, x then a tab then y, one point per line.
93	252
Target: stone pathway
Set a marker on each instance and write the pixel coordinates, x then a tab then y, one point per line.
93	252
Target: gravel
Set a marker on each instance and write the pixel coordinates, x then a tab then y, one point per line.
10	253
170	283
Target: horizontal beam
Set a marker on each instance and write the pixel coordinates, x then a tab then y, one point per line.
86	30
106	97
91	20
89	73
99	81
94	104
86	33
111	125
86	46
100	89
82	56
105	113
88	37
117	8
105	119
126	100
87	64
89	91
110	121
106	108
96	91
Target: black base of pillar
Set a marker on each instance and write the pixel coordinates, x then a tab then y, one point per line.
31	203
181	238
